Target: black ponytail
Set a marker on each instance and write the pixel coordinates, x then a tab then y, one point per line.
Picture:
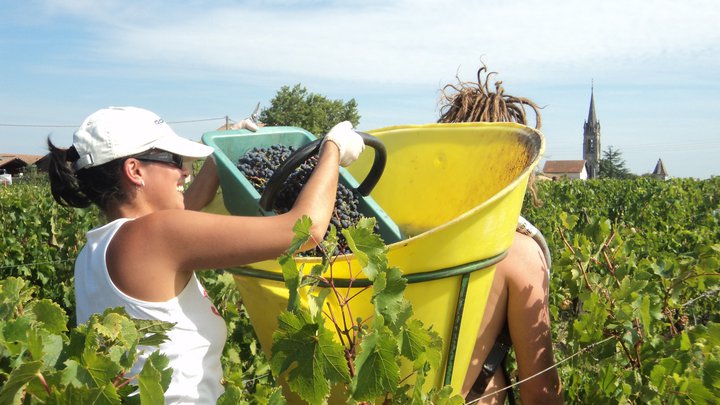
98	185
63	183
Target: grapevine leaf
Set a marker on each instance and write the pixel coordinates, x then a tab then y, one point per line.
276	398
315	272
50	315
685	343
368	247
44	346
16	330
83	395
149	383
232	396
302	234
698	393
608	380
444	396
102	369
291	275
658	375
377	371
420	345
20	376
418	397
629	289
315	304
711	373
152	332
72	374
713	334
331	240
589	324
645	315
162	363
388	290
14	294
318	359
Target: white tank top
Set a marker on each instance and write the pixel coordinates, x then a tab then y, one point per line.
196	341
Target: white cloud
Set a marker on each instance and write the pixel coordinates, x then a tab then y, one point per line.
404	42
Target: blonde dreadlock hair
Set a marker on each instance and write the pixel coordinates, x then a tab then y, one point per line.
475	102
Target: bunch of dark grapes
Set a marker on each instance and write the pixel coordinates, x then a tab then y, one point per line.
259	164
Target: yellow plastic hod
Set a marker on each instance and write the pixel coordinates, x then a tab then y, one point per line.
456	191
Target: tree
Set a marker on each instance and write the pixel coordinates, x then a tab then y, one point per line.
612	165
310	111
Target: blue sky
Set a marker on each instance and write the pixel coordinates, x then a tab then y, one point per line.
655	65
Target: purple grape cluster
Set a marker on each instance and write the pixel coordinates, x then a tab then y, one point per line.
259	164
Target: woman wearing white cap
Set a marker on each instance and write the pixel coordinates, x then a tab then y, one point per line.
131	164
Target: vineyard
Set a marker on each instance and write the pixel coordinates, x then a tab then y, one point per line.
633	296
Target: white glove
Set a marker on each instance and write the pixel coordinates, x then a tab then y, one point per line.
349	142
245	124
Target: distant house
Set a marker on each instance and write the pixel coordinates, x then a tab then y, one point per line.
660	171
14	164
569	169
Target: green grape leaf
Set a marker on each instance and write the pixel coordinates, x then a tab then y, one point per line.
388	290
607	379
315	304
700	394
418	396
658	376
713	334
685	343
20	376
420	345
302	234
291	275
315	272
377	371
162	363
645	315
331	239
276	398
50	315
86	395
152	332
149	378
318	359
101	368
72	374
711	373
44	346
232	396
368	247
16	330
444	396
14	294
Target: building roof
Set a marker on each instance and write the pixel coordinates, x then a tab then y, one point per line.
660	169
15	159
564	166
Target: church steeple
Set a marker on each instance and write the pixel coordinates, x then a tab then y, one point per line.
591	139
591	114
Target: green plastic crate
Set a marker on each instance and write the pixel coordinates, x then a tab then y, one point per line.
240	196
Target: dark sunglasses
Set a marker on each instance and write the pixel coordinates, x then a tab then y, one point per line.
161	156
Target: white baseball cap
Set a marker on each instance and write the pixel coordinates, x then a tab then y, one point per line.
116	132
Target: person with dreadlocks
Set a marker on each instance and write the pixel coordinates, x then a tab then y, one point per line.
516	313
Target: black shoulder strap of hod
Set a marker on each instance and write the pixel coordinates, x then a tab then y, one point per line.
496	358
